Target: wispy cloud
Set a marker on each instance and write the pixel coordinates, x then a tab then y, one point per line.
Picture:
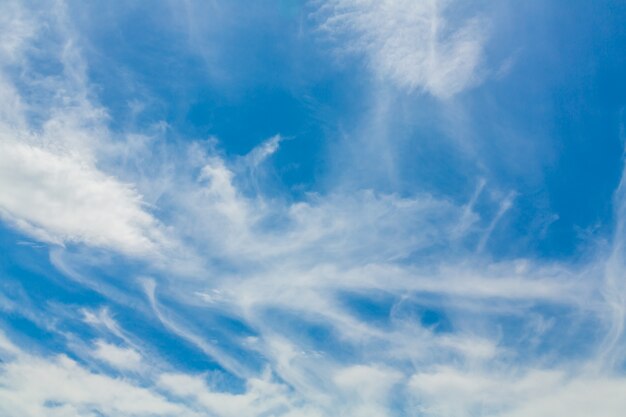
413	44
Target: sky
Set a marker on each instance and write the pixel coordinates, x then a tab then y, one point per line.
291	208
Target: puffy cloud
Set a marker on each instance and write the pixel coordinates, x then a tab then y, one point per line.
452	392
578	398
62	199
36	387
119	357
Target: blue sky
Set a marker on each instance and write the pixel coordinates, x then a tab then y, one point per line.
312	208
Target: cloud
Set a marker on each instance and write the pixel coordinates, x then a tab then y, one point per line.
50	184
262	397
119	357
346	301
31	386
412	44
62	199
578	398
368	387
454	393
34	386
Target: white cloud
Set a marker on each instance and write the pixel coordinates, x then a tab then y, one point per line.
35	387
449	392
119	357
296	260
368	387
18	28
411	43
262	396
598	396
50	184
61	198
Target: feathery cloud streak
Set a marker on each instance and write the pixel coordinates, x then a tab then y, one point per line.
412	44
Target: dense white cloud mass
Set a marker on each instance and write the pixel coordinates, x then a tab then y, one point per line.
119	357
448	392
409	42
340	302
61	198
